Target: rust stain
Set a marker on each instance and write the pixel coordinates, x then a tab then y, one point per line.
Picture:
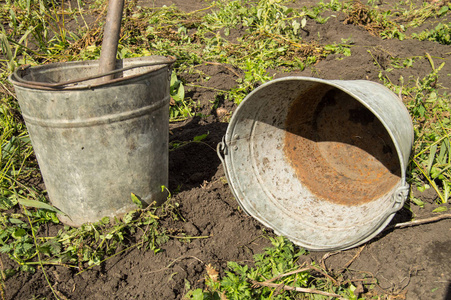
339	150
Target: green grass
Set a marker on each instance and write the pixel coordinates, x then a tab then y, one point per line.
275	275
429	106
34	32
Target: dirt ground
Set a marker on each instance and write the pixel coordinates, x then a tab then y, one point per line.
409	263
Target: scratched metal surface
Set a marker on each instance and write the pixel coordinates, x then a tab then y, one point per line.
97	145
321	162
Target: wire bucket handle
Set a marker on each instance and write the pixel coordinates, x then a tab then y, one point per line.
20	72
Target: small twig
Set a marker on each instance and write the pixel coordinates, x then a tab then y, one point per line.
183	144
9	92
354	258
326	256
297	289
188	237
420	222
287	274
59	293
299	271
362	280
325	274
173	262
202	9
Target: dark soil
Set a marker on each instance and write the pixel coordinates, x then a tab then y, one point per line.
410	263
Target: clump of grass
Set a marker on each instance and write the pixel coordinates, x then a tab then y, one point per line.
180	108
429	106
275	275
17	161
440	34
83	247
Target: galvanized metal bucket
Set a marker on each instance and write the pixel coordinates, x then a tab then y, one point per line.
322	162
96	143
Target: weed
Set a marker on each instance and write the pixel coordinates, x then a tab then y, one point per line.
88	245
199	139
180	109
429	108
274	269
440	34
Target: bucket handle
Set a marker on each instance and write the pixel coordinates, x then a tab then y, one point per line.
220	149
32	84
399	197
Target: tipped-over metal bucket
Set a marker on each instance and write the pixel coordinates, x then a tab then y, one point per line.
322	162
96	143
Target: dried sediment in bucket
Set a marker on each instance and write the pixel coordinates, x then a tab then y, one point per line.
321	162
338	148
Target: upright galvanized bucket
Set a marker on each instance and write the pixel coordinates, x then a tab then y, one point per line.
322	162
97	143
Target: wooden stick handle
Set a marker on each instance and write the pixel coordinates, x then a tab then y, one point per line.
111	34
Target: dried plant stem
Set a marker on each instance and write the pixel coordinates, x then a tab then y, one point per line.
422	221
296	289
354	258
287	274
39	256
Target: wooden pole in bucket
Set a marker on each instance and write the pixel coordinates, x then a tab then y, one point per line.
111	33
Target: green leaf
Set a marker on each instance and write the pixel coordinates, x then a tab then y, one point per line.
443	153
105	220
40	205
417	202
432	152
440	209
6	248
198	294
18	233
15	221
128	218
173	79
200	137
423	188
447	190
27	268
180	93
303	22
296	26
443	10
137	201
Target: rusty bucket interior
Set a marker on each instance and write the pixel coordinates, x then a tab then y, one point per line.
320	162
340	151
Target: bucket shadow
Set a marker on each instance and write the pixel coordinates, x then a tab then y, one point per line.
192	162
448	292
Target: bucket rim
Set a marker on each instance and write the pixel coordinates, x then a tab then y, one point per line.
397	195
146	61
